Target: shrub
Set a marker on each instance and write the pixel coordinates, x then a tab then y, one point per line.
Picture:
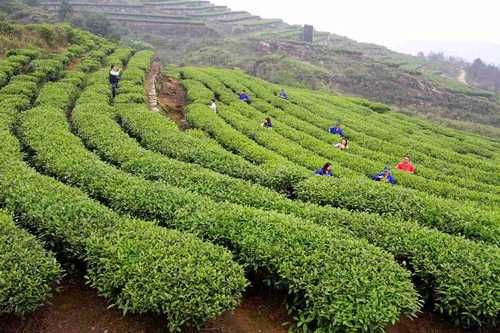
187	281
361	195
307	258
57	94
435	258
28	271
161	135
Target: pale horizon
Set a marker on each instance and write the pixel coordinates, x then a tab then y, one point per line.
390	23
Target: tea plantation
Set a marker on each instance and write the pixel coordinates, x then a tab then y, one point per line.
175	222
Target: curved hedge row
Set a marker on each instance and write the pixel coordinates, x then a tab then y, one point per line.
28	271
424	147
326	270
332	107
456	217
13	65
282	173
368	157
119	57
316	117
437	259
300	120
157	133
322	116
367	196
363	194
187	281
349	163
318	111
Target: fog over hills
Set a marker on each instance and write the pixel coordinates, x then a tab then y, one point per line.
488	52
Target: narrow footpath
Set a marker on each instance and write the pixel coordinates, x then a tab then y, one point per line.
167	94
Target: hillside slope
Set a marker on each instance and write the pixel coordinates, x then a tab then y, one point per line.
234	202
198	32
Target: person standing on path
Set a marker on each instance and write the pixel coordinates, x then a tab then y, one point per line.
114	78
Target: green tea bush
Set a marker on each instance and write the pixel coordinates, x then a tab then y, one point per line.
47	69
28	271
345	163
130	98
368	196
119	57
436	258
32	53
323	115
25	88
282	175
24	78
57	94
159	134
89	65
197	92
306	258
187	281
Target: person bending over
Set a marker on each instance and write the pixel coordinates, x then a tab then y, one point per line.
406	165
326	170
343	144
385	176
336	130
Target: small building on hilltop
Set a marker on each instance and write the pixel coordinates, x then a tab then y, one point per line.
308	33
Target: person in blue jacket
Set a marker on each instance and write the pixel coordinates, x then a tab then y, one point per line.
283	94
244	97
385	176
326	170
268	123
337	130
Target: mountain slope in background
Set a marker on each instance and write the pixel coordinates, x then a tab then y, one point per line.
469	51
200	33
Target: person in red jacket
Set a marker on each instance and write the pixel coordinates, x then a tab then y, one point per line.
406	165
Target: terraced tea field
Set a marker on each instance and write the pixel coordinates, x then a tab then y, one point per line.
179	223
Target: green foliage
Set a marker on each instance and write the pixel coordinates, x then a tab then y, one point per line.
32	53
360	194
119	57
187	281
28	272
436	258
376	107
96	23
12	65
422	249
154	131
57	94
265	232
305	258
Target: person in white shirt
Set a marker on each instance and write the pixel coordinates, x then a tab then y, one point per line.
213	105
114	78
343	145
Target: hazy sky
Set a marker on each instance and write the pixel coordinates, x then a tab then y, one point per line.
387	22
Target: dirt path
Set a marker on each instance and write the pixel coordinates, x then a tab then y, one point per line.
167	94
151	80
463	76
172	100
78	309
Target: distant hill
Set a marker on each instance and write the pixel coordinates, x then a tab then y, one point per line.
469	51
200	33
